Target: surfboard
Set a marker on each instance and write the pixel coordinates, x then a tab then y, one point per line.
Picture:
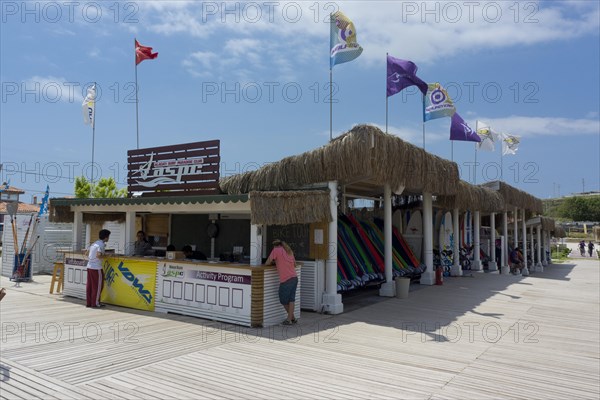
466	229
397	220
446	241
414	233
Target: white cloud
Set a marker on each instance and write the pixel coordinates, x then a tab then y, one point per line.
51	89
61	31
544	126
240	59
406	29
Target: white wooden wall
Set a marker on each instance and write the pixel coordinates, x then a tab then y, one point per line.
54	237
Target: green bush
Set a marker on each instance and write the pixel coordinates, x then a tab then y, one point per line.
563	252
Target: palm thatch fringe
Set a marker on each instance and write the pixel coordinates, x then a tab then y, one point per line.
559	232
64	214
293	207
474	198
60	214
548	224
363	152
514	197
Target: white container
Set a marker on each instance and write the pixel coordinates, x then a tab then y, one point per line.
402	286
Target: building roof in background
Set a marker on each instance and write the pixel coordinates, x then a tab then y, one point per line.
11	189
23	208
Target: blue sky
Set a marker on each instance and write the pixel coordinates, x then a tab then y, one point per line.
255	75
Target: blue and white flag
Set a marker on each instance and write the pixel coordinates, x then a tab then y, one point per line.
89	106
342	40
44	205
437	103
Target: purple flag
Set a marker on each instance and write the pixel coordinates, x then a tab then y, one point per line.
402	74
459	130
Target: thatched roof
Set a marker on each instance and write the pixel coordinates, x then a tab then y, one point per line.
294	207
364	154
470	197
59	213
548	224
559	232
64	214
514	197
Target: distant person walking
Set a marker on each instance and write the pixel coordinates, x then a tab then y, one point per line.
283	257
582	248
95	275
590	248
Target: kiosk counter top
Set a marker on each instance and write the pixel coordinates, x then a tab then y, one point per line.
230	292
80	254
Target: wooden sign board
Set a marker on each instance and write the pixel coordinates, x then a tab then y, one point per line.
177	170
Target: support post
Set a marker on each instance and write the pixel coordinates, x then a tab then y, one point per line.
456	267
477	250
388	289
493	266
516	228
78	231
532	249
546	248
428	277
504	269
539	267
332	301
524	231
256	241
130	233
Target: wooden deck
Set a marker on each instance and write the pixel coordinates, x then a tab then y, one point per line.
487	336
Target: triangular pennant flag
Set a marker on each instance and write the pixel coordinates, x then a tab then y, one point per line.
143	53
459	130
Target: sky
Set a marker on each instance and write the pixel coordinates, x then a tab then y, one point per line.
255	75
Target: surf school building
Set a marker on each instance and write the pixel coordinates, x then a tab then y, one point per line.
303	199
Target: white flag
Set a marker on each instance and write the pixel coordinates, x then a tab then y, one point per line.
89	106
487	135
510	143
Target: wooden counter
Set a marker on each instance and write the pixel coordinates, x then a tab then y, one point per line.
235	293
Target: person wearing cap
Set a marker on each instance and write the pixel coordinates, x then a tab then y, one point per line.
283	257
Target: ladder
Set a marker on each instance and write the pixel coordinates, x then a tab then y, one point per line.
57	277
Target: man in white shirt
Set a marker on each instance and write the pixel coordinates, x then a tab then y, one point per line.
95	275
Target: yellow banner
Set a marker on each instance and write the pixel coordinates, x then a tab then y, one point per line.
129	283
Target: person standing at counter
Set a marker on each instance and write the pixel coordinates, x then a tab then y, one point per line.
142	247
95	275
283	257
